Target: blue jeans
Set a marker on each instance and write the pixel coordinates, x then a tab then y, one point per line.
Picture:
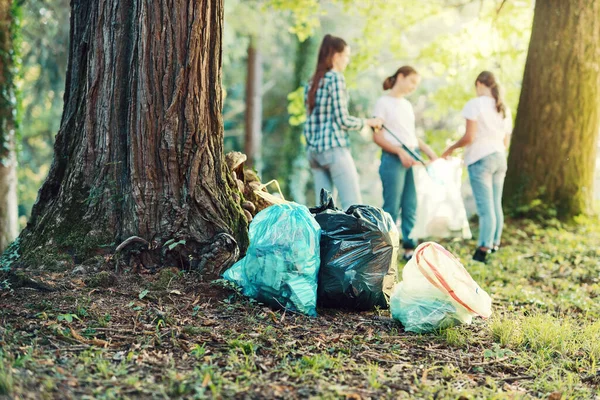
487	180
399	193
335	167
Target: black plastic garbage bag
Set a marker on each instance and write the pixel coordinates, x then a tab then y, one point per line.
359	250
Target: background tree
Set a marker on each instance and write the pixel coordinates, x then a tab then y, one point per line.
140	148
295	163
553	150
44	51
8	159
253	117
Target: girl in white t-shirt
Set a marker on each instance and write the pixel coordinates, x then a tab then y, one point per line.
489	125
399	192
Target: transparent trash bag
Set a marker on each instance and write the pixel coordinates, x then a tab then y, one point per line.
282	262
436	292
440	208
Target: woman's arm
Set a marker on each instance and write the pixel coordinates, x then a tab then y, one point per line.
427	150
466	140
340	106
507	140
381	141
508	127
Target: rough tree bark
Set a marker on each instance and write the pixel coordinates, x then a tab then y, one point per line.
140	147
8	161
553	148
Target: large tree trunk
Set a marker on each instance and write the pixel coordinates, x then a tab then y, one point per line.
253	117
140	147
553	149
8	161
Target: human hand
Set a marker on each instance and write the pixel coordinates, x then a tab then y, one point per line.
375	123
447	153
406	160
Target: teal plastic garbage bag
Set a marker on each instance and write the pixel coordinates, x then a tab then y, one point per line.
282	263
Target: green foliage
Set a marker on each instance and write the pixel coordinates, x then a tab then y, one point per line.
10	62
497	352
296	108
67	317
10	256
306	15
171	243
198	351
456	336
103	279
246	347
44	49
491	41
537	208
6	377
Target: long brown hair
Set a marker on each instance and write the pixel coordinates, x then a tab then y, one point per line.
391	80
488	79
330	46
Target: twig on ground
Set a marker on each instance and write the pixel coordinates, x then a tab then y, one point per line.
517	378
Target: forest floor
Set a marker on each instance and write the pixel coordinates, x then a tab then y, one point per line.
169	335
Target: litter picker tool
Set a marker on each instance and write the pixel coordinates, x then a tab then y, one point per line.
405	147
414	155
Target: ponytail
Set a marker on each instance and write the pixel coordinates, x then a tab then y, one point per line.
488	79
499	103
389	82
405	71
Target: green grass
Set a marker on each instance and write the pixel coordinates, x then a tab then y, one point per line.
6	377
187	339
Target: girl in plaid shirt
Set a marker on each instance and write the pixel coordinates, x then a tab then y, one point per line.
328	122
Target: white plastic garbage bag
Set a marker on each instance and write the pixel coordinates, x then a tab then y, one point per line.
440	208
436	291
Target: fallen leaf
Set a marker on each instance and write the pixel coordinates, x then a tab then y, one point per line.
206	380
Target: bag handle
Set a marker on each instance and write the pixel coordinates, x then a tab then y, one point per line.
439	281
273	199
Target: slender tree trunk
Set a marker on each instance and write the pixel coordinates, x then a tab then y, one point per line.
9	223
253	128
8	161
553	148
296	165
140	147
